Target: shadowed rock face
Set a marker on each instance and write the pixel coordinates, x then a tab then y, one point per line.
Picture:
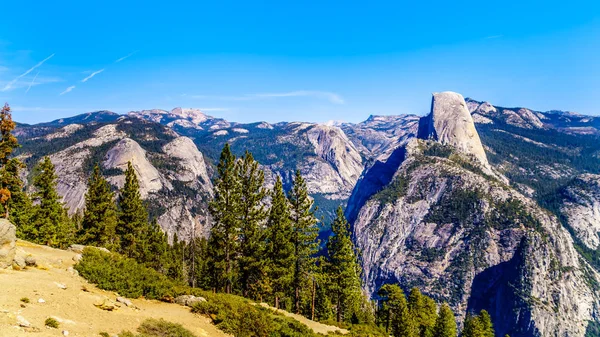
7	243
450	123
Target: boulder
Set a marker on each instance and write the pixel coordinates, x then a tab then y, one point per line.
30	261
18	262
8	240
189	300
77	248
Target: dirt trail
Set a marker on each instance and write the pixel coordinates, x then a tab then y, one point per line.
73	306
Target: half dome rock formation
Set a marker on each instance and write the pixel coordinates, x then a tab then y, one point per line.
450	123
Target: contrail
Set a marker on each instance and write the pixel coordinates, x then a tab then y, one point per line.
30	84
92	75
11	83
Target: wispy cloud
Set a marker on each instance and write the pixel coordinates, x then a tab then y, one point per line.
92	75
10	84
125	57
493	37
32	82
68	90
326	95
330	96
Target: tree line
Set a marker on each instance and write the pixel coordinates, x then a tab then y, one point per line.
263	243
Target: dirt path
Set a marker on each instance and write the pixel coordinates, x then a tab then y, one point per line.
73	306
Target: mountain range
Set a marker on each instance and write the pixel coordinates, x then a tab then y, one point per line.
482	206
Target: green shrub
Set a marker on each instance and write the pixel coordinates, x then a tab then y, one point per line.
232	314
159	328
25	300
113	272
51	323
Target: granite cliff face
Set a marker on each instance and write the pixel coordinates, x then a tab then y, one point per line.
172	172
432	215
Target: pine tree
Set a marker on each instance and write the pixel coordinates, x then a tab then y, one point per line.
252	216
280	249
132	227
445	325
99	222
10	182
397	316
344	270
486	324
156	249
424	311
472	327
51	224
304	224
226	227
20	206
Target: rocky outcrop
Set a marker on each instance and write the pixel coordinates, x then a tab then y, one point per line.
465	237
450	123
8	240
581	207
128	150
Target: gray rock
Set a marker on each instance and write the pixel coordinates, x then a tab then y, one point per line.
19	262
189	300
125	301
22	322
77	257
30	261
8	240
77	248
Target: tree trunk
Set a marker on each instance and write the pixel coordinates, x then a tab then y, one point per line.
276	302
314	295
297	301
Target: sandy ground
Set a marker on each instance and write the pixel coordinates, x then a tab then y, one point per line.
73	306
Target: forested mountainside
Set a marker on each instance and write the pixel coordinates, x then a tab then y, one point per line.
436	215
174	178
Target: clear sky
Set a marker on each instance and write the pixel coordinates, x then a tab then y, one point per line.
296	60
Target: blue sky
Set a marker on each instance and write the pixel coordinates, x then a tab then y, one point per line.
295	60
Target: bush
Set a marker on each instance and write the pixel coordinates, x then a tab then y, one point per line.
125	276
236	316
25	300
159	328
232	314
51	323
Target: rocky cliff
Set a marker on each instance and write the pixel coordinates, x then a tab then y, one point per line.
173	175
431	215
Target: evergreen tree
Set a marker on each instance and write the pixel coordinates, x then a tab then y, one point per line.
486	324
10	182
280	249
397	317
445	325
424	311
202	267
51	224
305	233
226	227
344	270
472	327
155	249
252	213
20	206
99	223
132	227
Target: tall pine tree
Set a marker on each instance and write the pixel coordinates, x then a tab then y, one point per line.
280	249
305	233
252	217
51	224
99	223
226	225
424	311
445	325
344	270
132	228
398	319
